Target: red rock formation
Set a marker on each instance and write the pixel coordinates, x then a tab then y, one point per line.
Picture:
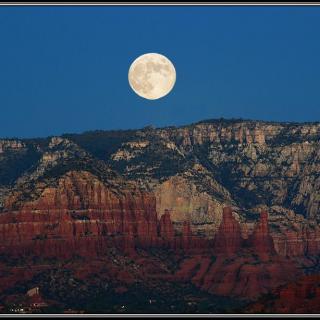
186	237
61	219
242	276
297	241
228	238
312	241
260	240
302	296
128	243
235	269
166	229
79	216
83	216
191	243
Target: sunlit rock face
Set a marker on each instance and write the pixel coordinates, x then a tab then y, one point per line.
186	203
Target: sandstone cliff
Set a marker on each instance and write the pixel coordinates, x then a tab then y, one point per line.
194	171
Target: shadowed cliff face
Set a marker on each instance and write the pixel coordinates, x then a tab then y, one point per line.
300	296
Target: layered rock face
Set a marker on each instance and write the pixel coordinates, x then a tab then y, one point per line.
8	145
257	162
195	171
261	240
239	267
166	228
171	189
245	164
243	276
186	202
301	296
228	238
81	215
302	240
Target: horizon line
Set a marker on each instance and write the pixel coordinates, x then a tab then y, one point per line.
153	127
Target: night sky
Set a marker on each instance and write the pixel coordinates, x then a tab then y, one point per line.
65	69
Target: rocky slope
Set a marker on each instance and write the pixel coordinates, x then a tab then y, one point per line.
97	221
194	171
234	202
300	296
239	267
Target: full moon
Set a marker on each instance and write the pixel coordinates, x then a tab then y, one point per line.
152	76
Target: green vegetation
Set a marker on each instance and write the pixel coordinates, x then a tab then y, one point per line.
14	163
166	298
100	143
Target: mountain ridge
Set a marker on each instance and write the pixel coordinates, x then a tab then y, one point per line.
231	207
194	170
151	126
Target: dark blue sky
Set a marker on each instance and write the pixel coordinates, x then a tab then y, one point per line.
64	69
